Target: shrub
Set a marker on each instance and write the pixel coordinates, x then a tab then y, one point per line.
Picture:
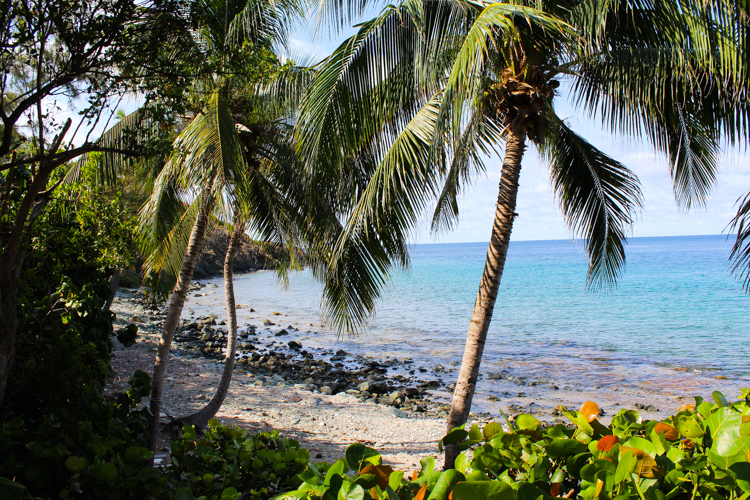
226	463
703	451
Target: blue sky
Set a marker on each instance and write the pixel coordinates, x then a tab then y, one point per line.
539	216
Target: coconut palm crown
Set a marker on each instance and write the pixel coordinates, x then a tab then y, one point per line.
407	111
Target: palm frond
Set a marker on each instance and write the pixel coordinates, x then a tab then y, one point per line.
598	197
740	255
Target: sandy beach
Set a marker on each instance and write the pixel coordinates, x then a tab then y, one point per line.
324	424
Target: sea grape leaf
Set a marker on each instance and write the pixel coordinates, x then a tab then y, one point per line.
528	491
428	465
704	409
475	434
720	399
367	481
724	425
453	437
382	472
351	491
12	490
445	484
688	425
741	471
483	490
491	430
589	411
724	462
527	422
339	467
591	471
358	456
625	467
580	421
641	444
462	463
394	481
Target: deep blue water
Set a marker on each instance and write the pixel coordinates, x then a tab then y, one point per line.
675	321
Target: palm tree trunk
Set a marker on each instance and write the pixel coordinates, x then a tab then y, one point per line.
493	271
200	418
176	303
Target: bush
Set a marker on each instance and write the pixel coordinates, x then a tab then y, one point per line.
227	463
703	451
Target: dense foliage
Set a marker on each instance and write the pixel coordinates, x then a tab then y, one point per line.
703	451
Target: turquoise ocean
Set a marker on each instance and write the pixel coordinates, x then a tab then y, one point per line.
676	325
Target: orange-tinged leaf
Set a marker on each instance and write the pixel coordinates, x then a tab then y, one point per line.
686	406
421	493
599	486
688	443
670	433
382	472
374	492
606	443
414	476
450	496
590	411
554	489
748	456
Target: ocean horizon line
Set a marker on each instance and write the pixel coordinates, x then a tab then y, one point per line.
580	240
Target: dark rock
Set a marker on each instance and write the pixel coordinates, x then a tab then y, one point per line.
281	333
293	344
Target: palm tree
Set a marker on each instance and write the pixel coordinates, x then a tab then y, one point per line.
407	110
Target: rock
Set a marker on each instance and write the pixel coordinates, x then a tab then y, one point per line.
411	391
308	381
337	358
341	352
377	387
326	390
493	398
294	344
372	400
395	412
365	394
553	387
278	378
437	368
721	377
267	322
281	333
385	400
419	409
301	387
395	395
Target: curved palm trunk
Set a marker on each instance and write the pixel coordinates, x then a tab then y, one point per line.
114	280
176	303
200	418
493	271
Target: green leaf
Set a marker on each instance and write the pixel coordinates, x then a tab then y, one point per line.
491	430
528	491
565	448
445	484
75	464
720	399
462	463
688	425
358	456
339	468
394	481
483	490
626	466
641	444
527	422
350	491
12	490
741	470
724	425
428	465
230	493
108	471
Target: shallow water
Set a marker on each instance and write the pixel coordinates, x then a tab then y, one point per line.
676	320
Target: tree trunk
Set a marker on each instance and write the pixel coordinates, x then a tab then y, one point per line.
200	418
176	303
493	271
114	280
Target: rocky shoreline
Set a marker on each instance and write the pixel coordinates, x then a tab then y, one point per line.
265	354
